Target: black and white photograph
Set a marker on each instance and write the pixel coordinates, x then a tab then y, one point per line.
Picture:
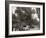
25	18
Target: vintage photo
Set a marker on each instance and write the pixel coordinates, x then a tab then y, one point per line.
25	18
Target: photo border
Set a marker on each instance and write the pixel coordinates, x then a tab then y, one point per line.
7	18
